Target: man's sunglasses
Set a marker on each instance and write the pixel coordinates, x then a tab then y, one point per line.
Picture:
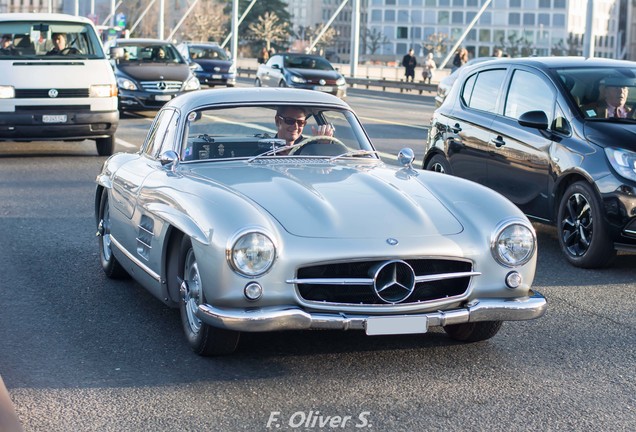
292	121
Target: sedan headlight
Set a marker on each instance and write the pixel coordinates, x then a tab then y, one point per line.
297	79
341	81
126	84
252	254
232	69
191	83
623	161
513	244
7	92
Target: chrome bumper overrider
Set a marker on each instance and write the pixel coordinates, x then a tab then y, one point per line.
273	319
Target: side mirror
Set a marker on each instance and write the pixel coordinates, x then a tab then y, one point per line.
169	160
534	119
116	53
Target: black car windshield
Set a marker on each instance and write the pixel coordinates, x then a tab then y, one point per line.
601	92
207	53
48	40
150	53
307	62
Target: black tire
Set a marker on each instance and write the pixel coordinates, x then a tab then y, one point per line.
581	228
112	268
282	83
105	146
204	339
257	82
474	331
438	163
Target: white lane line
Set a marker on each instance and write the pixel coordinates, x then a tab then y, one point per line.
122	143
393	123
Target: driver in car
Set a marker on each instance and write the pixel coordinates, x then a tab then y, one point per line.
291	120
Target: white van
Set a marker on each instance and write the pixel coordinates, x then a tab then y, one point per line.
55	81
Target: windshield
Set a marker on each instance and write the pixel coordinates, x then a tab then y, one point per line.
601	92
307	62
207	53
248	131
49	40
149	53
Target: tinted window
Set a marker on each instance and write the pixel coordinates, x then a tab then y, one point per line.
486	90
528	92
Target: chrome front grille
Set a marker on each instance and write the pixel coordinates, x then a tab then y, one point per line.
161	86
355	283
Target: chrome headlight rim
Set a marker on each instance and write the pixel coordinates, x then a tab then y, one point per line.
499	231
234	257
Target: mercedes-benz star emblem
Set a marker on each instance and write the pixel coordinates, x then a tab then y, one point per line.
53	93
394	281
161	85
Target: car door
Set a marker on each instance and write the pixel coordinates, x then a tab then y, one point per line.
129	179
519	166
468	126
272	74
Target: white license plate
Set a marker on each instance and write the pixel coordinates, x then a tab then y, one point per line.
323	88
217	76
163	97
396	325
47	118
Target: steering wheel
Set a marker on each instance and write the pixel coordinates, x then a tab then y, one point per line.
310	146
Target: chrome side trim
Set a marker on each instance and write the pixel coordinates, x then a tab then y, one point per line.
134	259
294	318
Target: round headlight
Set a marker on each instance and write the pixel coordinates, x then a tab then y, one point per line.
514	244
252	254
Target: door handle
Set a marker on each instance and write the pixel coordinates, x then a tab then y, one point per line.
456	128
498	142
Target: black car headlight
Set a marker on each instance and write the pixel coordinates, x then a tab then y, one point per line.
192	83
623	161
296	79
513	244
341	81
126	84
252	254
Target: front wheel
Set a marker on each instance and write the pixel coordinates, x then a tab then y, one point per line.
473	331
582	231
438	163
112	268
204	339
105	146
257	82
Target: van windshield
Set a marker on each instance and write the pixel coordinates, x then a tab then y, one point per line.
49	40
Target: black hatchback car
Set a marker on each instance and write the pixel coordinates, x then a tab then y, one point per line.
303	71
210	63
545	133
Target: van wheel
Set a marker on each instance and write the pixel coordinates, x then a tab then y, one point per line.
105	146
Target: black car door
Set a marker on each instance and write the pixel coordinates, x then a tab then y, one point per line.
468	127
519	166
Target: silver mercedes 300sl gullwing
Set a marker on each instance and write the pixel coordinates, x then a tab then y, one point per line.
267	209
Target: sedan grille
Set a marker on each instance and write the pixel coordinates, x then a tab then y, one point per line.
161	86
363	283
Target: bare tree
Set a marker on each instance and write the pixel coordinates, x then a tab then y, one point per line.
268	28
436	43
207	22
374	39
325	40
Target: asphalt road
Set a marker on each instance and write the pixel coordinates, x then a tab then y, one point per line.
80	352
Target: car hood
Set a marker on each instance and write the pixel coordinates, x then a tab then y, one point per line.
155	71
610	134
209	65
339	201
315	74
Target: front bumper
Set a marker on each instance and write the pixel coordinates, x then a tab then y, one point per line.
291	318
71	125
212	79
143	100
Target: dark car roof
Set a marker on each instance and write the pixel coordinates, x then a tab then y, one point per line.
562	62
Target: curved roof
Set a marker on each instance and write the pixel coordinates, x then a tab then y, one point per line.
256	96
